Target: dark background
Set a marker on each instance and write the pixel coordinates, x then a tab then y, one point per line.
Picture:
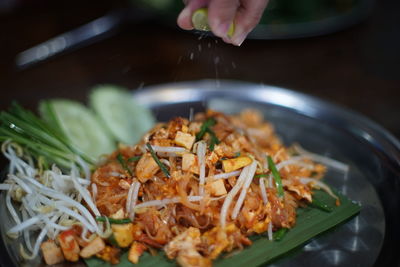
358	68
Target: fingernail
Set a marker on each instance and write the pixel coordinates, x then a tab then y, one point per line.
227	40
184	14
222	29
238	39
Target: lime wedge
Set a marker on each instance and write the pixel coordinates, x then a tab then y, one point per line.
200	21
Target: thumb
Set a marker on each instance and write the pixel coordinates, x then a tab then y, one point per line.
185	17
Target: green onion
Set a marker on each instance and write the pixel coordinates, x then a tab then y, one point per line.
111	220
261	175
320	205
121	161
237	154
133	159
214	140
277	177
279	234
38	137
205	127
157	160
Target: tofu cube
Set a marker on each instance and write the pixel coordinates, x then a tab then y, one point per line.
52	254
185	129
212	158
109	254
217	188
119	215
94	247
146	168
188	239
234	164
190	163
69	245
135	252
184	139
123	234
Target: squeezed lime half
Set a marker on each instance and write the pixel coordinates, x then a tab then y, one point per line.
200	21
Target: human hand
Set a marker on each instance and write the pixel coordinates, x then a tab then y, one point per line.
221	13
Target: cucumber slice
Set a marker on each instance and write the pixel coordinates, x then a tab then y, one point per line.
79	124
125	118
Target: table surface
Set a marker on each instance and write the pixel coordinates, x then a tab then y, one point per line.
358	68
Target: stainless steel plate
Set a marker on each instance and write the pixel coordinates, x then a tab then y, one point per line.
373	155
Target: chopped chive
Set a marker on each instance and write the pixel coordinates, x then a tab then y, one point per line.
214	140
277	177
132	159
279	234
261	175
157	160
204	127
121	161
111	220
320	205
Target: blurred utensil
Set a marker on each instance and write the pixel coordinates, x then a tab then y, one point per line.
84	35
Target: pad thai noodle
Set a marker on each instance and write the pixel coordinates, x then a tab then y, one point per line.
195	189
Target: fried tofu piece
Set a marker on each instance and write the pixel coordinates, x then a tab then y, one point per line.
192	258
183	247
52	253
190	163
136	250
69	245
119	215
234	164
219	237
212	158
184	139
123	234
251	117
94	247
109	254
188	239
146	168
217	188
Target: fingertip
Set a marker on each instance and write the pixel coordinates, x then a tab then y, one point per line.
184	19
247	19
242	29
238	39
221	14
227	40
